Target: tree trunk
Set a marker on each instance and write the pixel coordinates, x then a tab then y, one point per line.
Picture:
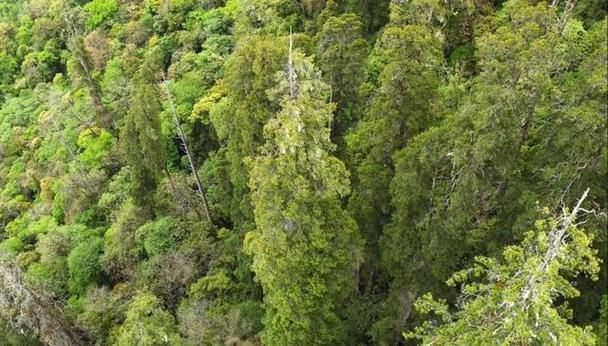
182	137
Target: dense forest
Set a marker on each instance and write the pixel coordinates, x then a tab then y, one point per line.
303	172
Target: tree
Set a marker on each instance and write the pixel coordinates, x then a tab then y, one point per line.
146	323
141	133
99	11
81	65
451	118
83	264
157	237
409	61
184	142
341	52
238	117
95	144
81	68
305	248
514	301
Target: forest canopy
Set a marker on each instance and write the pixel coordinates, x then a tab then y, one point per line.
303	172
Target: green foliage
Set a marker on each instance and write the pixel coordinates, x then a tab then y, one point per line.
9	337
121	251
40	66
12	246
8	65
83	264
602	326
94	143
102	307
99	11
15	115
214	283
479	171
141	132
146	323
158	236
50	276
407	62
453	119
203	324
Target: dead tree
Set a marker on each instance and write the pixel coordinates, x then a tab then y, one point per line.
25	309
182	138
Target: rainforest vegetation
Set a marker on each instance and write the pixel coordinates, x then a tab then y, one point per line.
303	172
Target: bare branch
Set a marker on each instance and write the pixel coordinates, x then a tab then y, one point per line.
555	244
24	307
566	15
292	76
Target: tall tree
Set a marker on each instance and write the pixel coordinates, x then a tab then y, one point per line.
186	148
240	115
341	54
406	102
305	248
141	131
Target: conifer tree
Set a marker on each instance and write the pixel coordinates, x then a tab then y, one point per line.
305	248
238	118
141	132
410	60
341	57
